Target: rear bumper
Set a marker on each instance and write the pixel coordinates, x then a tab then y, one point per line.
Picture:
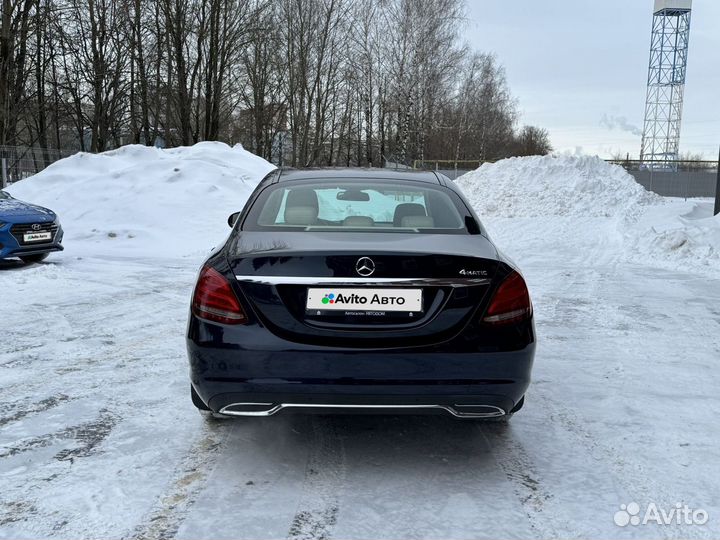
290	376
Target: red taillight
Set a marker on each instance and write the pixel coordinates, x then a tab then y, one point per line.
214	299
511	302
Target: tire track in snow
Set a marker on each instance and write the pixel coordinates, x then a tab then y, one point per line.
634	479
80	441
86	327
319	505
189	480
518	467
631	475
30	409
97	345
87	436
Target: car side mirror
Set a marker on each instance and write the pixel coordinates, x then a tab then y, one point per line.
232	219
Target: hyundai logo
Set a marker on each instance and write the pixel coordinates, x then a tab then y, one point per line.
365	266
36	227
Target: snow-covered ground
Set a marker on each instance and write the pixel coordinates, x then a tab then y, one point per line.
98	438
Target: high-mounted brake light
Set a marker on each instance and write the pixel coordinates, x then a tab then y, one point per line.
214	299
511	302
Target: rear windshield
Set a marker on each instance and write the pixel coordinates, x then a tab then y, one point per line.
336	206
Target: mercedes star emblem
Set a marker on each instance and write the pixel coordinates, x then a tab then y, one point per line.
365	266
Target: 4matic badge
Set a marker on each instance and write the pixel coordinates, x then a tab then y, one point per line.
464	272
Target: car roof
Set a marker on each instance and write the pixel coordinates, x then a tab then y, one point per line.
358	173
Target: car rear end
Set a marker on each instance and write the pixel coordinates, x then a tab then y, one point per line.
321	319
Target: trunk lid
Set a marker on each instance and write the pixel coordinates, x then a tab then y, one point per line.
453	272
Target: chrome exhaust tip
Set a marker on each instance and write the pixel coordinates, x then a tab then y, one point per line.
477	411
251	409
269	409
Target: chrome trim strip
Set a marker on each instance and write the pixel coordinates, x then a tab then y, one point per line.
275	408
302	280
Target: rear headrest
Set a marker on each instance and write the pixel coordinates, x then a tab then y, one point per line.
301	215
418	222
301	207
358	221
407	209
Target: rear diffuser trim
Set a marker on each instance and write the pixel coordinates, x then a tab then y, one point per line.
251	409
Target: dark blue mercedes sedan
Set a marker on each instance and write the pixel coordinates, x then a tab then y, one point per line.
359	290
27	231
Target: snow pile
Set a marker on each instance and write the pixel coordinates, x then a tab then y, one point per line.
553	186
569	194
681	235
140	199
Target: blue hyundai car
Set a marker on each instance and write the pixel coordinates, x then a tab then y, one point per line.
27	231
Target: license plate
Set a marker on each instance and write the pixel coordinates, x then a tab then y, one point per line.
364	301
37	236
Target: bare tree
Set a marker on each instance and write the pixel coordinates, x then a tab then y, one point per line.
263	92
351	82
95	63
533	141
15	21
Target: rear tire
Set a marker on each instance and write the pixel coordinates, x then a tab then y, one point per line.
30	259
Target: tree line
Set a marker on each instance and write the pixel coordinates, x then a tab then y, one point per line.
308	82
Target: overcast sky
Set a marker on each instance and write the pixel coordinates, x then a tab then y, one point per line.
578	68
